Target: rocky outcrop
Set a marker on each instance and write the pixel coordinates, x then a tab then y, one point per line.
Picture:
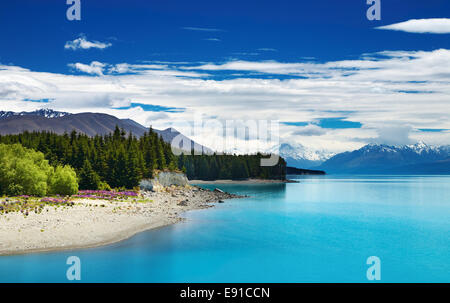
163	180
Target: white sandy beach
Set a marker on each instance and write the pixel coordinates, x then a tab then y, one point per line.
91	223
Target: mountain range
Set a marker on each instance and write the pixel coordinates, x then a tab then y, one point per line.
299	156
90	124
418	158
45	112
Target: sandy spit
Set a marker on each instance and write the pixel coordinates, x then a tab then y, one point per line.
92	223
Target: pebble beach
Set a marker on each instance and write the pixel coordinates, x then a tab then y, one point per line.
95	222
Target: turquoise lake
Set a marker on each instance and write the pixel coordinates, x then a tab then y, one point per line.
322	229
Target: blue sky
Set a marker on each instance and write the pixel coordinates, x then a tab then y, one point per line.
301	62
153	30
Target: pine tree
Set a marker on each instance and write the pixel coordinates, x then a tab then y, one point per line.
120	170
160	158
88	178
134	174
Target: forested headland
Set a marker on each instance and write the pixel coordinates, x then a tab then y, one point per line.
121	160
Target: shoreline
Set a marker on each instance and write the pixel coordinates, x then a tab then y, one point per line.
95	223
247	181
123	235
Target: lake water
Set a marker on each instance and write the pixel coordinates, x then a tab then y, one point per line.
322	229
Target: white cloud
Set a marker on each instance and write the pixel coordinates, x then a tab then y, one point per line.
267	49
82	43
310	130
391	88
394	135
202	29
95	68
421	26
121	68
156	116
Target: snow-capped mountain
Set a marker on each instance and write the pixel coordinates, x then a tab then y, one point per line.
47	113
422	148
300	156
385	159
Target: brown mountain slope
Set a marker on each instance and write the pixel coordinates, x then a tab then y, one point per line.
88	123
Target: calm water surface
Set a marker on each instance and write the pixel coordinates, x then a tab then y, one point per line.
319	230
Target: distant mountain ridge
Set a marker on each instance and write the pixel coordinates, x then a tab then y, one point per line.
299	156
90	124
418	158
47	113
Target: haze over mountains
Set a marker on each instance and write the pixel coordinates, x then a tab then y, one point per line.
89	123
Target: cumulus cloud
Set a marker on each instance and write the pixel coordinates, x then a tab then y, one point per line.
421	26
121	68
95	68
82	43
394	135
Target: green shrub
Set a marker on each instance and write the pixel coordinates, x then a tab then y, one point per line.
24	171
104	186
64	181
